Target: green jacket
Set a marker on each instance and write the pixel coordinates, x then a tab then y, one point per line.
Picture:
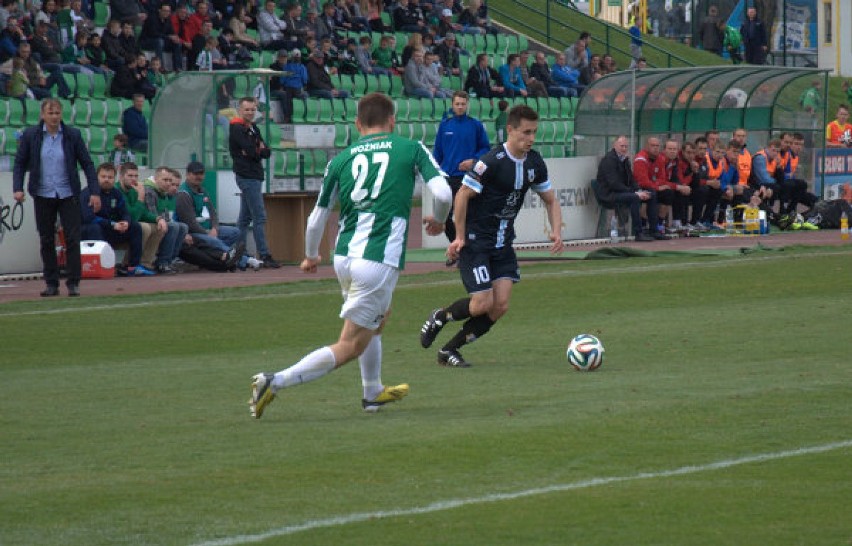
138	211
158	203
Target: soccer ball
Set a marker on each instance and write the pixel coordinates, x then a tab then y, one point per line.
585	353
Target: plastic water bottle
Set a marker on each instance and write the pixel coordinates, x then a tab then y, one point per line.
729	219
613	230
844	226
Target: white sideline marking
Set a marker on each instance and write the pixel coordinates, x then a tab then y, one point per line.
496	497
403	285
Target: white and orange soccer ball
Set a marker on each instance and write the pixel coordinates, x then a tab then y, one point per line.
585	353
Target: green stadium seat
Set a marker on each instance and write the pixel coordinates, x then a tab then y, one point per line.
17	117
115	109
386	19
98	113
360	85
71	82
326	110
560	133
292	167
4	112
442	108
84	86
10	141
546	132
427	109
403	129
396	86
312	113
402	109
32	112
338	110
81	113
308	159
279	164
320	162
430	131
274	138
341	135
553	107
100	86
523	43
346	83
97	140
418	131
299	110
351	108
354	135
2	142
101	14
502	43
542	107
67	111
373	83
487	110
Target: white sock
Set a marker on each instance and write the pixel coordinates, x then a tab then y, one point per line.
370	362
312	366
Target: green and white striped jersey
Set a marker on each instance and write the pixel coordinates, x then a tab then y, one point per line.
374	181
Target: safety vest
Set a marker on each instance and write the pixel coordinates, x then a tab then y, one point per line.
789	162
770	165
744	165
834	131
713	173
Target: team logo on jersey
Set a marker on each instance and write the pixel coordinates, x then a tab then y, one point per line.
479	168
531	174
500	155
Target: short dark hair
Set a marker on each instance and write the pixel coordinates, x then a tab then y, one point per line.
127	166
106	166
520	112
375	110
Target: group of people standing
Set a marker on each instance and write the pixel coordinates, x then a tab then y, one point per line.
161	220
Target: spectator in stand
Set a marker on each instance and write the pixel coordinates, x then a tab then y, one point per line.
199	44
533	85
184	29
838	133
111	221
608	65
11	37
364	57
433	75
40	83
153	228
134	124
292	86
415	42
448	52
111	43
130	11
295	34
120	154
636	38
248	150
674	192
75	52
128	81
160	190
319	82
373	10
649	169
45	50
595	70
709	33
211	58
158	35
95	55
239	24
194	207
511	77
18	86
541	72
408	18
384	55
472	20
271	28
754	38
576	58
482	80
354	15
565	76
129	42
8	8
618	186
416	80
156	77
202	15
731	42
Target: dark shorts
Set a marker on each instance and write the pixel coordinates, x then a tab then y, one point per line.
479	268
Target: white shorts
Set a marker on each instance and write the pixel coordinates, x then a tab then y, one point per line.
367	288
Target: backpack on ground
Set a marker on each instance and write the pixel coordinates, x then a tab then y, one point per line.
826	214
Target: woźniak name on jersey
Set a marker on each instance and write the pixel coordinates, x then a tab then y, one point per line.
371	147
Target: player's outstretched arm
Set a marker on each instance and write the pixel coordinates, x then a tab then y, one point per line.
554	216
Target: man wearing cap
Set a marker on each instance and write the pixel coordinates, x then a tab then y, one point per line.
448	53
289	87
319	82
194	208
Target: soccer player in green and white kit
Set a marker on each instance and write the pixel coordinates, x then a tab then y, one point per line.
374	181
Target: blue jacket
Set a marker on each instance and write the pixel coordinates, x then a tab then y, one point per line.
758	170
730	177
134	125
459	138
299	77
113	208
28	158
565	76
513	80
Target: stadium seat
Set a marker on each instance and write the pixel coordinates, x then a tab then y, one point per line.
373	83
83	89
502	43
101	14
71	82
2	142
293	162
308	160
32	112
418	132
395	86
81	113
67	111
100	86
299	110
360	85
326	110
279	164
414	109
402	109
338	110
16	112
351	106
115	109
274	139
341	135
312	112
98	113
430	131
10	141
386	19
320	162
427	109
4	112
97	140
553	107
346	83
403	129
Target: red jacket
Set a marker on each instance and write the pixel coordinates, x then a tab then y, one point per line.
190	29
649	173
684	171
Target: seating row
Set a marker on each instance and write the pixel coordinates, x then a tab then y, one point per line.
98	112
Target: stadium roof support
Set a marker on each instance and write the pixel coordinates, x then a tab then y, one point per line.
684	102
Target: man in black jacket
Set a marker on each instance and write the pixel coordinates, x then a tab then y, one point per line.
55	187
615	177
248	150
482	80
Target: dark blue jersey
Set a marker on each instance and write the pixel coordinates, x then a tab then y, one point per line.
502	182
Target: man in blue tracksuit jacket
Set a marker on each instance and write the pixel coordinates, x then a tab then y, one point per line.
460	141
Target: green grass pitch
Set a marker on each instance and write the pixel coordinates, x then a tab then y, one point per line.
721	414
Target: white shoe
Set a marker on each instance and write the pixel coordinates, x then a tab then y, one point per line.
254	263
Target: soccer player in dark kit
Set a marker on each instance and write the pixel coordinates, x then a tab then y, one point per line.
490	197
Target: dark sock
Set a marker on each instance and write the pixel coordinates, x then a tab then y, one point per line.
473	329
458	310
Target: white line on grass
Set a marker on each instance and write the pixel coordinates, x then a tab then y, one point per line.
496	497
406	283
